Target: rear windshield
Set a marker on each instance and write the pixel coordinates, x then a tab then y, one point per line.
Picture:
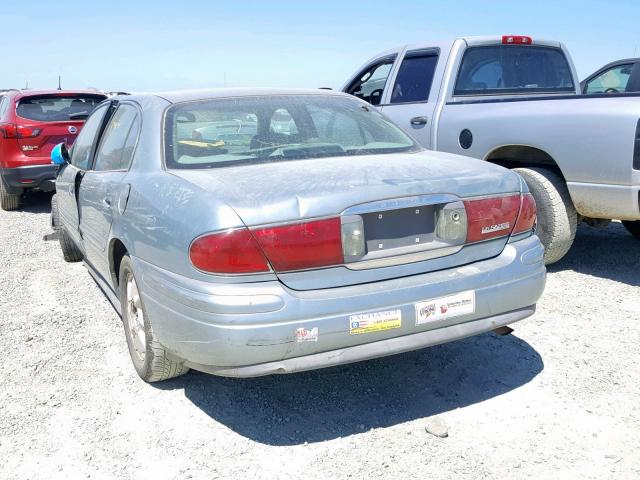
513	69
55	108
214	133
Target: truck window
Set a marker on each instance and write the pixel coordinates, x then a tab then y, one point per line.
513	69
369	84
614	80
413	82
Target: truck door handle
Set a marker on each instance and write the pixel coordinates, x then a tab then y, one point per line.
107	201
419	120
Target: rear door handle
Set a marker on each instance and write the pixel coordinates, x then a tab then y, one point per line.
419	120
107	201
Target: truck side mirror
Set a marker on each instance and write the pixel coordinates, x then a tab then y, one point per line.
60	154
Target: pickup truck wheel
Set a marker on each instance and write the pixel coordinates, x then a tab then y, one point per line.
70	251
8	201
152	361
557	217
633	227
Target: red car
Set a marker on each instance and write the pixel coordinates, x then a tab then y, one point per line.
31	124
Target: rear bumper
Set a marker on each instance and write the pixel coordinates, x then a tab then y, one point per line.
18	179
368	351
596	200
248	330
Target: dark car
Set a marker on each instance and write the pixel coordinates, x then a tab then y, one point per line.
622	76
31	123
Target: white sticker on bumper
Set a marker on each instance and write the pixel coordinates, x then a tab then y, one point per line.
306	335
446	307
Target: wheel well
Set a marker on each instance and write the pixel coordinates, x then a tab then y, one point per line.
514	156
117	253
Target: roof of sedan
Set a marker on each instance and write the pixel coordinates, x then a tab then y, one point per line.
190	95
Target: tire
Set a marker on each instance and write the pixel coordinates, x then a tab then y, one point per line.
152	361
557	217
633	227
8	201
70	251
55	215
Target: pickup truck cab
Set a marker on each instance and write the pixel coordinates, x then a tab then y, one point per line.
516	101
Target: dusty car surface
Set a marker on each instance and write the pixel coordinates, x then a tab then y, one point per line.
326	236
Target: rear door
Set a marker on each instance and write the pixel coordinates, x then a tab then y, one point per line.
410	100
104	191
70	175
51	119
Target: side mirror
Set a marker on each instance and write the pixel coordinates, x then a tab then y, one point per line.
60	154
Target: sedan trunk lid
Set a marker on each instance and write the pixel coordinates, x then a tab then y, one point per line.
394	196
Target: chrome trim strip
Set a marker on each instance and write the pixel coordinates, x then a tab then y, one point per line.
401	202
404	259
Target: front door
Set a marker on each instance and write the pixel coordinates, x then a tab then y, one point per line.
70	177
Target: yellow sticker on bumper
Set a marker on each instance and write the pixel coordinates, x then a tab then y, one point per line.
375	322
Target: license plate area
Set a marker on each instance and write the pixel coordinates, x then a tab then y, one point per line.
401	231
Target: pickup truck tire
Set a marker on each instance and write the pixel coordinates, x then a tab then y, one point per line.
152	361
557	217
8	201
70	252
633	227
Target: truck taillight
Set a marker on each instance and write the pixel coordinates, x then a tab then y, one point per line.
304	245
492	217
516	40
527	216
233	251
11	130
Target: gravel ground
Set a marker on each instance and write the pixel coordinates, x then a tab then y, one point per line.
558	398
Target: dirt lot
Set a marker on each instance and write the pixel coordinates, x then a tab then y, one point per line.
560	398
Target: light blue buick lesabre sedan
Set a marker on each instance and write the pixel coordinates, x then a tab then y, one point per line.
252	232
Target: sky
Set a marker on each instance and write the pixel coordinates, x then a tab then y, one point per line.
167	45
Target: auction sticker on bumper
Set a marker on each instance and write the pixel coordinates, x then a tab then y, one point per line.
446	307
375	322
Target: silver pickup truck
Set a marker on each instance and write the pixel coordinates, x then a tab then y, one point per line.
516	101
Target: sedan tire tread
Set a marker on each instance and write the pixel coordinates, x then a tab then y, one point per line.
557	217
70	251
55	214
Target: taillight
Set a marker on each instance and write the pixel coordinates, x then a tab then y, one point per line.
11	130
232	251
527	216
491	217
516	40
27	132
301	246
